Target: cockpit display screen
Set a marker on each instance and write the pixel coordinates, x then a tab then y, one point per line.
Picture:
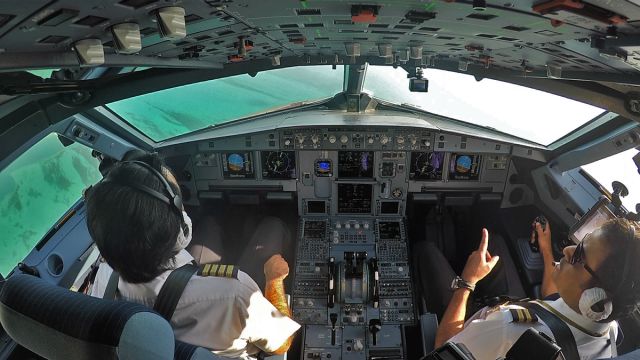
354	198
389	230
278	164
355	164
593	219
426	165
464	167
237	165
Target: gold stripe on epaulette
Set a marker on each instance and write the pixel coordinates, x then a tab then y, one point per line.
523	316
218	270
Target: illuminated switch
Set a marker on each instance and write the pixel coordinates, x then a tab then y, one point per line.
366	226
357	226
338	225
347	226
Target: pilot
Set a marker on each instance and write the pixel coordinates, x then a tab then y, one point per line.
144	239
597	282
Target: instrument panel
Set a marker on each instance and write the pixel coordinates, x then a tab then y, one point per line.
345	170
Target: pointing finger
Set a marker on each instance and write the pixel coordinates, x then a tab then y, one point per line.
484	243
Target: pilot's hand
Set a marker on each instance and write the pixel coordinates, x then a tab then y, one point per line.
480	262
276	268
544	237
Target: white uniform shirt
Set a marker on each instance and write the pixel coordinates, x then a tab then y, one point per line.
229	316
490	333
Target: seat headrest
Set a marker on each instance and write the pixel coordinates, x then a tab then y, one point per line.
56	323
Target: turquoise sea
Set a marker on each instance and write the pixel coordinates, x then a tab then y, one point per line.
35	192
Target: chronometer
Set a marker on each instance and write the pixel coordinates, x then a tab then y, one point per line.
459	283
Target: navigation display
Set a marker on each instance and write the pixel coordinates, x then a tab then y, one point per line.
354	198
278	164
355	164
237	165
426	165
389	230
464	167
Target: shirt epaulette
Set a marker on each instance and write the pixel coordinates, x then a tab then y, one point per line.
523	316
219	270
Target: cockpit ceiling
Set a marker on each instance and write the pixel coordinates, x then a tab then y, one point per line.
569	41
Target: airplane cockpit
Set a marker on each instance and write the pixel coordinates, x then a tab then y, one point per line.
369	128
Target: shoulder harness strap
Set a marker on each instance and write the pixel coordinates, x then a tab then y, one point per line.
112	286
561	332
172	289
219	270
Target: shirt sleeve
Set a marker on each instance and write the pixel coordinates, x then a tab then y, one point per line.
265	327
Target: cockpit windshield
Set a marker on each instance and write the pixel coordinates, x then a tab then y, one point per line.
524	112
172	112
516	110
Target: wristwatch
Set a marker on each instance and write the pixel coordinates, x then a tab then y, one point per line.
458	283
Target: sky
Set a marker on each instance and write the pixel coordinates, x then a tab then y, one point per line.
618	167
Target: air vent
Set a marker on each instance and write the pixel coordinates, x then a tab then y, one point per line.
379	26
429	29
182	43
191	18
289	26
387	32
136	4
390	38
203	37
547	33
445	37
481	16
488	36
308	12
343	22
53	39
321	38
91	21
352	31
360	38
5	18
225	33
451	44
58	17
515	28
405	27
291	32
315	25
505	38
148	31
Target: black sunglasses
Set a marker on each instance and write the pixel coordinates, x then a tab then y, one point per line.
578	257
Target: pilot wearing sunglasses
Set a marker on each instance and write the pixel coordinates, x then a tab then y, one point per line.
594	284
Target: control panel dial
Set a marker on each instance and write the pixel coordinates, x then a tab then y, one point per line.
344	139
400	139
384	139
332	139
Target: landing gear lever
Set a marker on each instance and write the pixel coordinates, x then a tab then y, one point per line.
374	327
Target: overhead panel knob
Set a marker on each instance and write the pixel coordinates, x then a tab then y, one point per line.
315	138
332	139
400	139
384	139
344	139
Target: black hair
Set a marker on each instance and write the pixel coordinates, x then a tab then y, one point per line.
620	269
135	233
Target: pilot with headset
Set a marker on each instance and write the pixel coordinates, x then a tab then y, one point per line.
597	282
135	216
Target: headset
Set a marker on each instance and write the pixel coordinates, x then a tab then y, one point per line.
170	198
